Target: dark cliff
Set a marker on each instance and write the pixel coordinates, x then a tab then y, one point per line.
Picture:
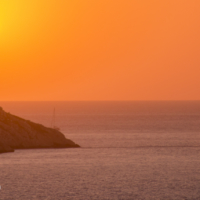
18	133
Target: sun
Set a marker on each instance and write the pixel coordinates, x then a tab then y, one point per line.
9	22
17	21
2	20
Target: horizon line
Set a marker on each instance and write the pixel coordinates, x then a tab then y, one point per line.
96	100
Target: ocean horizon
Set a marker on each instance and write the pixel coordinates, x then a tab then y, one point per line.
129	150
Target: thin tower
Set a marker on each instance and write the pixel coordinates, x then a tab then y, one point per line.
53	123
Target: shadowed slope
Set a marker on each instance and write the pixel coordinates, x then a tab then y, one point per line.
18	133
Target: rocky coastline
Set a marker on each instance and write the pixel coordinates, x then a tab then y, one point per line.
18	133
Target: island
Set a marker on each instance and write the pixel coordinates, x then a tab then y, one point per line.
18	133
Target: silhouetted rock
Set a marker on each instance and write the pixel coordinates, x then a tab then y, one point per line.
18	133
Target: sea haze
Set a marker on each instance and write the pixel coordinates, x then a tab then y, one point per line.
130	150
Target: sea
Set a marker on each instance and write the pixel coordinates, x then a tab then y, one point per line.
140	150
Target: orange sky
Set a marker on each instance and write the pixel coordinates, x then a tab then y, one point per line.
99	50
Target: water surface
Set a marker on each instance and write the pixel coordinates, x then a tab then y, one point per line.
130	150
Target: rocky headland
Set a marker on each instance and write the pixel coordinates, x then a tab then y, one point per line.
18	133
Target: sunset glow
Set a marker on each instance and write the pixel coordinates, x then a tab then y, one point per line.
99	50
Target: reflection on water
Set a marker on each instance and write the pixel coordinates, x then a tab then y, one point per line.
129	151
101	173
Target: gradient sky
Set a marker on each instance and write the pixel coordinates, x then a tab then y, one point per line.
99	50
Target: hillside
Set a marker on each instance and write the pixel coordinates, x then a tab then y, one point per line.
18	133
